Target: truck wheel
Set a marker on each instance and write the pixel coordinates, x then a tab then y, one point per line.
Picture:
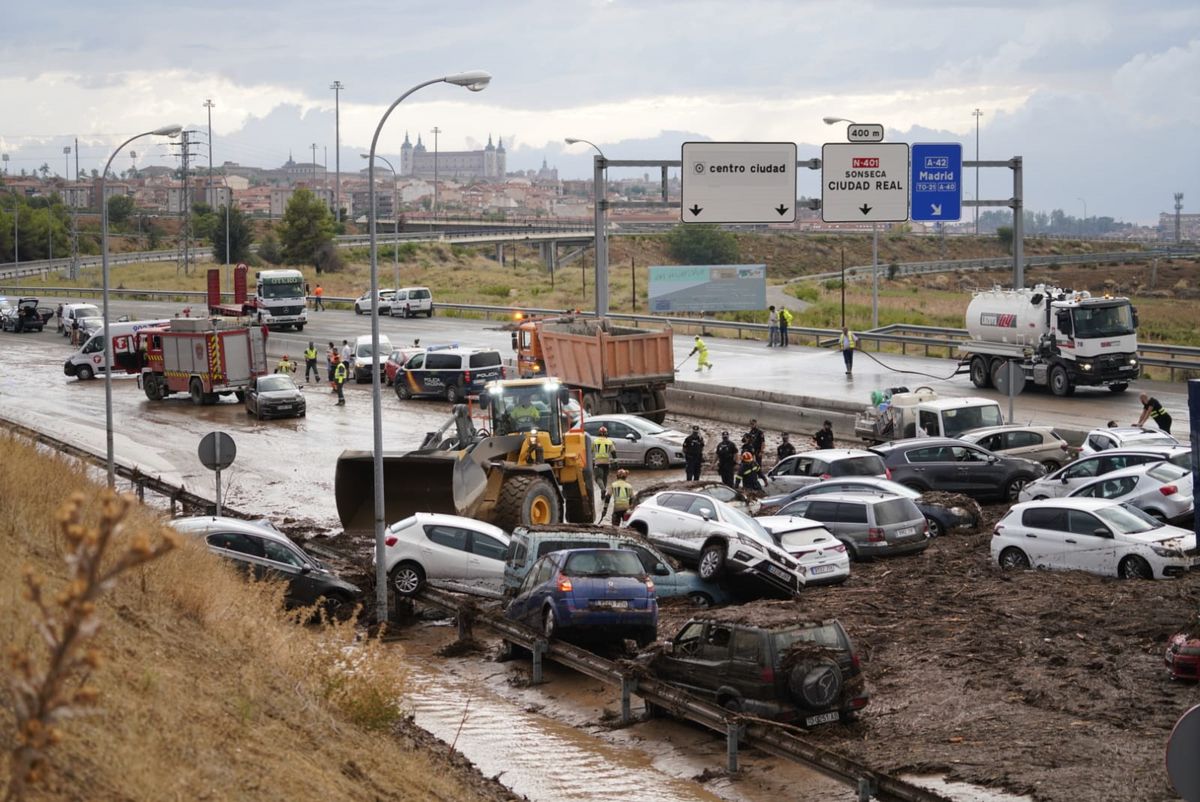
299	327
1060	382
526	499
981	377
196	390
150	387
1118	388
592	404
660	403
210	399
240	395
85	373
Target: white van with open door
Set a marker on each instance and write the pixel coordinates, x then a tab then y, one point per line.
85	363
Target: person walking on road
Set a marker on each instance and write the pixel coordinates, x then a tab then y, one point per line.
785	320
1151	408
310	362
331	360
848	342
748	473
824	435
693	454
286	366
603	453
785	449
347	353
622	496
339	380
318	298
757	440
727	453
702	351
772	327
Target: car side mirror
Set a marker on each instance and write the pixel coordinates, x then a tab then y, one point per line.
305	569
1101	531
1063	479
1133	309
992	458
514	341
706	514
668	648
631	437
661	569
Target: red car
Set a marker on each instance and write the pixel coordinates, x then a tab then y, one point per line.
1183	656
396	360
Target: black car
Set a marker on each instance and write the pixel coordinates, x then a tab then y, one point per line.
275	396
953	466
780	666
25	316
263	552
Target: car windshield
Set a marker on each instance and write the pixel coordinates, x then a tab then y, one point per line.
270	384
644	426
1110	320
1126	519
957	421
748	524
603	563
86	311
828	635
282	288
364	349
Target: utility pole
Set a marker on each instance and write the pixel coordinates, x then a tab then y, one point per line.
208	194
313	146
1178	212
435	132
185	204
337	88
67	172
977	114
74	218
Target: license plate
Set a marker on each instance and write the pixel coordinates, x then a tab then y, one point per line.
823	718
821	569
779	572
611	603
911	530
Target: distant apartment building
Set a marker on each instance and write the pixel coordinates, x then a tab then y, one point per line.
488	164
360	203
1189	226
280	196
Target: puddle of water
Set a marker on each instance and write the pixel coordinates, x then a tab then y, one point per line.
536	756
963	791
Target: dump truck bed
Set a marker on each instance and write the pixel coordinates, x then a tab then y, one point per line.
603	356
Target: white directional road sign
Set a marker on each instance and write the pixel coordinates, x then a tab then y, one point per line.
738	182
864	183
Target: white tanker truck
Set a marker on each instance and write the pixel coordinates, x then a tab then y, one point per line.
1059	338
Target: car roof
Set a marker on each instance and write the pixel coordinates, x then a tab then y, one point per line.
1129	432
984	431
915	442
860	497
958	403
1132	470
205	524
836	453
1070	502
457	520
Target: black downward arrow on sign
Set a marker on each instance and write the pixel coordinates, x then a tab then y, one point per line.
695	209
865	209
781	209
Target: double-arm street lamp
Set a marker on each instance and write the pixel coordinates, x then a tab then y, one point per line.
166	130
874	245
396	213
475	81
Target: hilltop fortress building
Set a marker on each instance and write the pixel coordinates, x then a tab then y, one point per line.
460	165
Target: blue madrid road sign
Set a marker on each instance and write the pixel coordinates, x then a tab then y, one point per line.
936	181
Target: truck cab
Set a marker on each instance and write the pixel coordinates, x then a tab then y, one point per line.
922	414
279	300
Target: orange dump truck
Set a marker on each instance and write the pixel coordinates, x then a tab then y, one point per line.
617	368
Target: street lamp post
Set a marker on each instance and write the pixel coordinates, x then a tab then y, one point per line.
396	220
475	81
874	248
166	130
435	133
977	114
1083	222
337	87
600	199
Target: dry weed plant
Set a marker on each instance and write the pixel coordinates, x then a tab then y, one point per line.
51	684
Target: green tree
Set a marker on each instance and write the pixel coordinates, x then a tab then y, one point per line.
120	208
1005	235
702	245
240	235
307	225
268	250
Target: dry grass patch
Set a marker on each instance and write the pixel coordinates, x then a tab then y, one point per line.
206	688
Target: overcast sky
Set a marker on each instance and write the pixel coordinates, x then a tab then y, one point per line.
1102	99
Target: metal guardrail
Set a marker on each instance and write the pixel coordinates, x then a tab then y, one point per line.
1157	355
776	739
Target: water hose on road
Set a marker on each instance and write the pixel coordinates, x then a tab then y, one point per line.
886	366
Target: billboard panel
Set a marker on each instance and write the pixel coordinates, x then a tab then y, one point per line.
708	288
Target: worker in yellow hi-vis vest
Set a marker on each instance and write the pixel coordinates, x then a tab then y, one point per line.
622	495
310	362
701	351
848	342
603	454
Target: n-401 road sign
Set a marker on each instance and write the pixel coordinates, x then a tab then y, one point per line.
864	183
738	182
936	181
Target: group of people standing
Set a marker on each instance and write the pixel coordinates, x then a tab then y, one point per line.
741	465
777	326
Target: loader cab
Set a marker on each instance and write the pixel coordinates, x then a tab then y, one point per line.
531	362
526	407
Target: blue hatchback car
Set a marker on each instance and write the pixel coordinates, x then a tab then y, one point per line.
582	592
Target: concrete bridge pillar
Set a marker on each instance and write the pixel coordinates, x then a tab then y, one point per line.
500	252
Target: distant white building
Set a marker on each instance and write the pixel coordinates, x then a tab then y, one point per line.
488	164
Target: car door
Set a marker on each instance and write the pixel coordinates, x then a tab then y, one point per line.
745	666
934	468
1043	532
243	552
982	474
665	585
1090	544
485	561
281	561
526	605
414	373
1025	444
791	474
628	443
665	517
445	553
676	666
692	528
700	656
1073	476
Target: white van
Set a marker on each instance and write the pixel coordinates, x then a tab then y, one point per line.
85	363
410	301
364	360
74	312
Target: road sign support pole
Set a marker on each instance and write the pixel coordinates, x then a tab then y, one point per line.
600	199
218	472
731	746
874	275
628	685
1018	207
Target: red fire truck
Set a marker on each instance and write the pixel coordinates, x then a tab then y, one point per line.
204	358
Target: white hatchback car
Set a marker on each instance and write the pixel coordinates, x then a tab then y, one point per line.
1094	535
1161	489
1083	470
1098	440
431	547
822	556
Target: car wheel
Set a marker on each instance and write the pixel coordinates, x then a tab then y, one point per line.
337	606
656	460
1014	487
1050	465
453	394
1060	382
655	711
1134	567
731	703
700	599
429	313
1118	388
357	309
407	579
402	391
935	527
1013	559
510	651
712	561
240	395
85	373
549	624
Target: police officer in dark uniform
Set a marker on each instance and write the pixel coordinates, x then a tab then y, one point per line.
693	454
757	441
785	449
824	435
727	454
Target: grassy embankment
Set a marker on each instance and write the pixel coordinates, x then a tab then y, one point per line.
206	689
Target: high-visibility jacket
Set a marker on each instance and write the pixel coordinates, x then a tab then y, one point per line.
318	291
701	348
339	373
527	415
310	354
785	317
285	366
848	341
622	493
602	449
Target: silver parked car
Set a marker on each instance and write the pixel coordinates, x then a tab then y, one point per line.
870	524
810	467
639	442
1083	470
1038	443
1161	489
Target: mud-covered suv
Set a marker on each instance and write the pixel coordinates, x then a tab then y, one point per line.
772	665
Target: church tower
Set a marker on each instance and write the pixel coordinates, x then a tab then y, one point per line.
406	156
501	162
